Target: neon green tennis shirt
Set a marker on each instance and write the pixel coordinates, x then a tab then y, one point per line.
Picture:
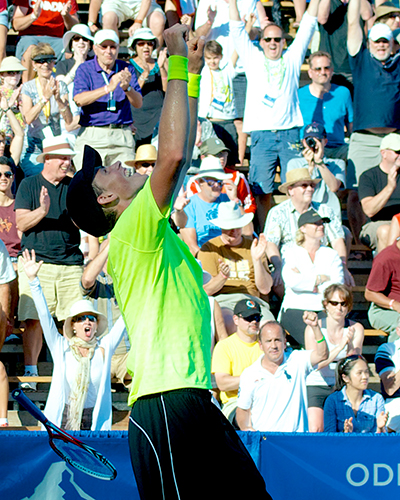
158	285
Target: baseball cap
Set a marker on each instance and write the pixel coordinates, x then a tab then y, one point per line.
380	30
246	308
103	35
315	130
391	141
311	217
212	146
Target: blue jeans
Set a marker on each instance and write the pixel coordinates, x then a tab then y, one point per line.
267	146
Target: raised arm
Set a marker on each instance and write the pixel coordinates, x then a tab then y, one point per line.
321	352
324	10
354	31
93	269
233	11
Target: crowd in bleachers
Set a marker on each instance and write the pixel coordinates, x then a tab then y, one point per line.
331	144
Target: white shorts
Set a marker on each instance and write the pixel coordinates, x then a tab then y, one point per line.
129	9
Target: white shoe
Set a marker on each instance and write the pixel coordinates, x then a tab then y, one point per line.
28	386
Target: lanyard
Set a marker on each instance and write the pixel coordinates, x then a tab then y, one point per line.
107	81
46	108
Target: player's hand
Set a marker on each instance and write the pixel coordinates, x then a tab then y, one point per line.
31	267
44	200
195	54
175	38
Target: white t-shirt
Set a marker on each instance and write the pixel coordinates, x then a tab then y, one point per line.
278	401
272	102
216	93
7	272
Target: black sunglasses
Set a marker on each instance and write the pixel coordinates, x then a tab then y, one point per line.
45	60
83	317
7	174
335	303
254	317
146	165
276	39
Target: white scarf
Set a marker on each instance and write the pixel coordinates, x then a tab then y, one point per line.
79	390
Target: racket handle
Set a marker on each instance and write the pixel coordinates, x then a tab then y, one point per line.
19	396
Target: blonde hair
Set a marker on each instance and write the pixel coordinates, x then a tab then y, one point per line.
300	237
42	49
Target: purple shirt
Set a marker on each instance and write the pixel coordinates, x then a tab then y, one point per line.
89	77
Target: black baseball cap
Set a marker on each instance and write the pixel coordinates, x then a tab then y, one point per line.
246	308
311	217
315	130
82	205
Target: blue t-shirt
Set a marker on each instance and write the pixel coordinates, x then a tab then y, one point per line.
200	213
376	91
333	111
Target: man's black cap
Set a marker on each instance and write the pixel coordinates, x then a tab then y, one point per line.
246	308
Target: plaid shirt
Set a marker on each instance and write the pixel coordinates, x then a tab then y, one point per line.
338	408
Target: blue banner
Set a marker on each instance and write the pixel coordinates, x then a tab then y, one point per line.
301	466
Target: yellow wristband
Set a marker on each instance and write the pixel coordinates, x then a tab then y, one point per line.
194	85
178	68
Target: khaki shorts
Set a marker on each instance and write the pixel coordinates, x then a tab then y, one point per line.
129	9
368	233
119	371
60	285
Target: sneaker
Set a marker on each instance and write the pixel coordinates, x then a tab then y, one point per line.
28	386
4	425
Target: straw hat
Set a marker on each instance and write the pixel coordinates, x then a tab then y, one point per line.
211	167
146	152
230	217
57	145
81	307
385	9
78	29
296	175
11	63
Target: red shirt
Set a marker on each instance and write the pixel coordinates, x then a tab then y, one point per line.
8	230
3	5
50	21
385	273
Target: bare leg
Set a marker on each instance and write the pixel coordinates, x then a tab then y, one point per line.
3	41
242	140
32	341
110	21
355	215
156	23
27	62
4	389
315	419
170	12
383	236
263	202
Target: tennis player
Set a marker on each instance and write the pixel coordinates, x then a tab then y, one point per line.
181	445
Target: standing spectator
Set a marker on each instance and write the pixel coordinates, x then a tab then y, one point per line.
42	217
327	104
44	102
151	75
34	23
105	88
388	13
146	156
353	407
375	73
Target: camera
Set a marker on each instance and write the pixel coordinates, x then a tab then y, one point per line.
311	143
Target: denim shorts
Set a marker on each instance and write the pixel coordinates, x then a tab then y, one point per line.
4	19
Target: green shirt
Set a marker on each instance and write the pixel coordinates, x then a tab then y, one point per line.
158	285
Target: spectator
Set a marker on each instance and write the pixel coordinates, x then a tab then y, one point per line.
34	23
394	230
343	337
272	392
106	116
80	391
353	407
308	269
236	263
42	217
281	225
10	76
331	172
151	75
379	193
235	353
11	150
44	102
377	117
146	156
328	104
383	290
4	27
388	13
7	281
332	18
272	113
201	208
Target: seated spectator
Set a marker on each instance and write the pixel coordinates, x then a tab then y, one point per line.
44	102
235	353
10	77
379	194
216	101
272	391
308	269
281	225
387	13
42	22
353	407
328	104
146	156
343	337
97	286
199	228
394	229
383	290
13	150
237	263
332	172
151	75
4	27
80	392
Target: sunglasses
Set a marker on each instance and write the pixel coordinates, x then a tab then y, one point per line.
276	39
79	38
317	70
146	165
142	43
305	185
12	73
334	303
42	61
7	174
254	317
213	182
83	317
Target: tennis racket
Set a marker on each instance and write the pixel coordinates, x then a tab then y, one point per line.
73	451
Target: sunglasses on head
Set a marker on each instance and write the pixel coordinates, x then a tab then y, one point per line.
7	174
353	357
254	317
335	303
83	317
276	39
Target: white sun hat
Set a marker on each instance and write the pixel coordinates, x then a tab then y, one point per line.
211	167
56	145
230	216
78	29
81	307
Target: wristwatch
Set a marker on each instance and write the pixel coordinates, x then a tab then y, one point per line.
90	24
128	89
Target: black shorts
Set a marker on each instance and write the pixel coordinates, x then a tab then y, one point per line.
316	395
183	447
